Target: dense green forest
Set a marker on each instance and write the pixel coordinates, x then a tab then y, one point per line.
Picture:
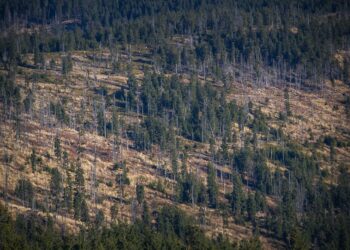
173	230
190	51
293	39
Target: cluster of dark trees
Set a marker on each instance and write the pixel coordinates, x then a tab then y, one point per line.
172	230
297	39
309	212
217	38
67	195
199	112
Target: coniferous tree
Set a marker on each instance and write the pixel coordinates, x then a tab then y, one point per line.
332	152
237	198
174	162
224	150
114	212
65	161
39	60
212	186
140	193
67	65
68	192
25	191
57	147
286	102
99	219
132	93
81	211
33	160
56	187
28	102
122	179
146	220
251	207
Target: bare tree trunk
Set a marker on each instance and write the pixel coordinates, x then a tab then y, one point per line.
6	165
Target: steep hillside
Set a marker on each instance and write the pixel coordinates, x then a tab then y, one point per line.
205	124
62	110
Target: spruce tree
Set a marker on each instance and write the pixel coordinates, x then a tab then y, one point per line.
212	186
25	191
81	211
33	160
57	147
67	65
237	197
56	187
114	212
251	207
140	193
68	192
146	218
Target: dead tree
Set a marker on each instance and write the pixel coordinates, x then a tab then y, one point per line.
7	159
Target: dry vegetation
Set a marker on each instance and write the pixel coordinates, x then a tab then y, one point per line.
314	115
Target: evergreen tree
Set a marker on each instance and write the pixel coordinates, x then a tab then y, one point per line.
191	190
174	162
25	191
99	219
65	161
28	102
79	177
299	240
114	212
286	102
132	93
251	207
122	179
33	160
57	147
39	60
224	150
67	65
56	187
81	211
237	197
68	191
332	152
140	193
145	214
212	186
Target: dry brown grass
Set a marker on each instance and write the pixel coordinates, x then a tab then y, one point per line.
312	113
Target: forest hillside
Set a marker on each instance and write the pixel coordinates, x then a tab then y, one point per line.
202	124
